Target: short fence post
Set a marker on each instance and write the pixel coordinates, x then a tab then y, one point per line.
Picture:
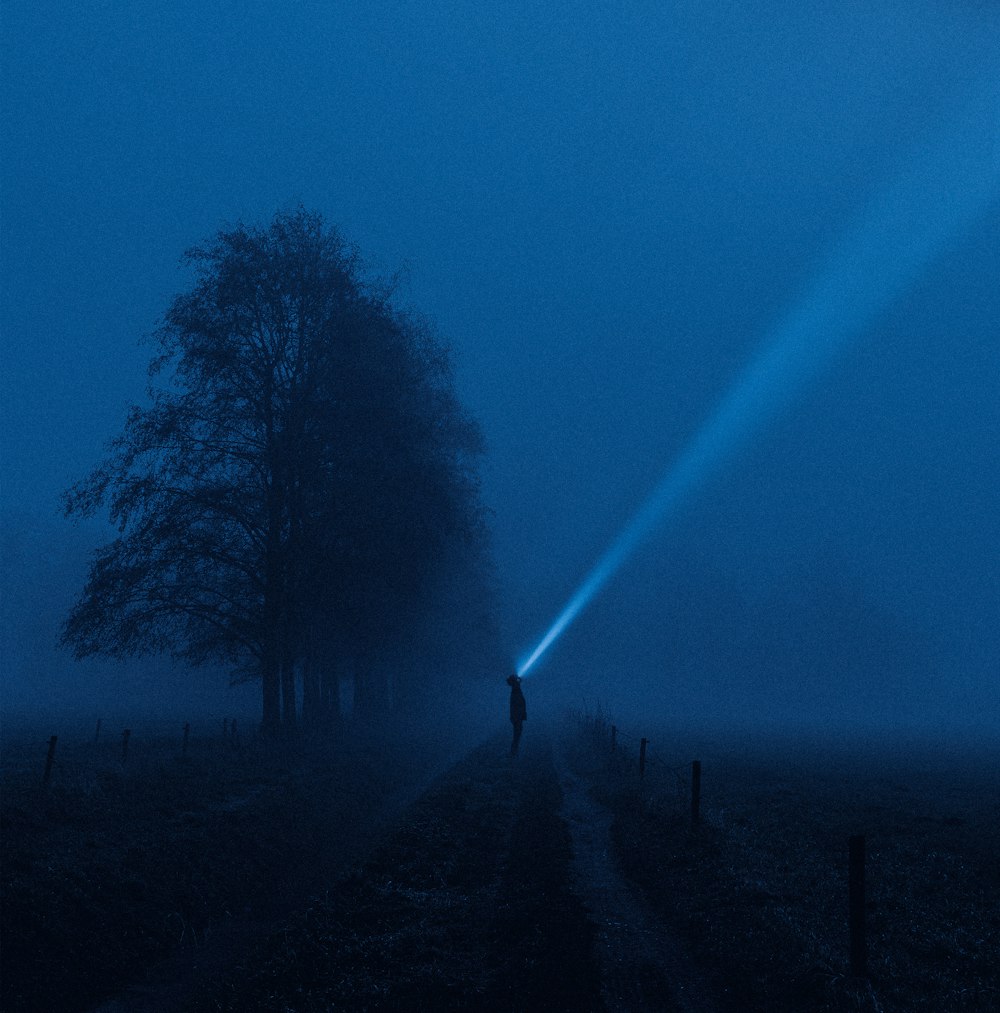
695	792
49	759
642	758
125	737
187	733
97	734
856	905
614	738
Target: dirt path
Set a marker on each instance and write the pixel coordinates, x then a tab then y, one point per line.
468	906
497	891
641	966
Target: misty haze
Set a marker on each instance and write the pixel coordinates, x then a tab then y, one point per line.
500	507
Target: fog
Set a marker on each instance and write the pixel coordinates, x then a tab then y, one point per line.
607	211
42	680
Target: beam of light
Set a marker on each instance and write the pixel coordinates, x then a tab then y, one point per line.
903	231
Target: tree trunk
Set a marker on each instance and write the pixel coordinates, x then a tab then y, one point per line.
271	617
288	714
271	665
271	702
362	687
312	698
329	690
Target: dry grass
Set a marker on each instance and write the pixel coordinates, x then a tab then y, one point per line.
114	867
759	889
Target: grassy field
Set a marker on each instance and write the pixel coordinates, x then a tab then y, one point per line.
116	865
758	890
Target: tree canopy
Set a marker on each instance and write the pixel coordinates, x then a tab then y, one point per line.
300	478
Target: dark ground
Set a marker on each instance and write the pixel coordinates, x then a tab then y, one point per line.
555	881
154	875
758	892
469	906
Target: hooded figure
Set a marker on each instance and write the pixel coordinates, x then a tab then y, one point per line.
518	710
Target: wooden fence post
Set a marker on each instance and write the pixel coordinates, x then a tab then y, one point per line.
125	737
856	905
642	758
49	759
695	792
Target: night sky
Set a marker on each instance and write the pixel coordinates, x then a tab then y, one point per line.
605	208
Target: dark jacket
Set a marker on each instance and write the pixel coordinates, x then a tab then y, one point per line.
518	708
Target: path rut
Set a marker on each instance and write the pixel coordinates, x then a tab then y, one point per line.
642	966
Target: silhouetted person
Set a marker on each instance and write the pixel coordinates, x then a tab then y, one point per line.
518	710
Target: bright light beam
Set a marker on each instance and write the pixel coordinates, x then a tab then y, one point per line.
910	225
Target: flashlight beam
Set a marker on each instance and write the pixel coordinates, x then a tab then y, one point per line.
903	232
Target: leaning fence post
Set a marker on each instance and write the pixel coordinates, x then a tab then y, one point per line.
187	733
125	737
856	905
642	757
49	759
695	791
614	738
